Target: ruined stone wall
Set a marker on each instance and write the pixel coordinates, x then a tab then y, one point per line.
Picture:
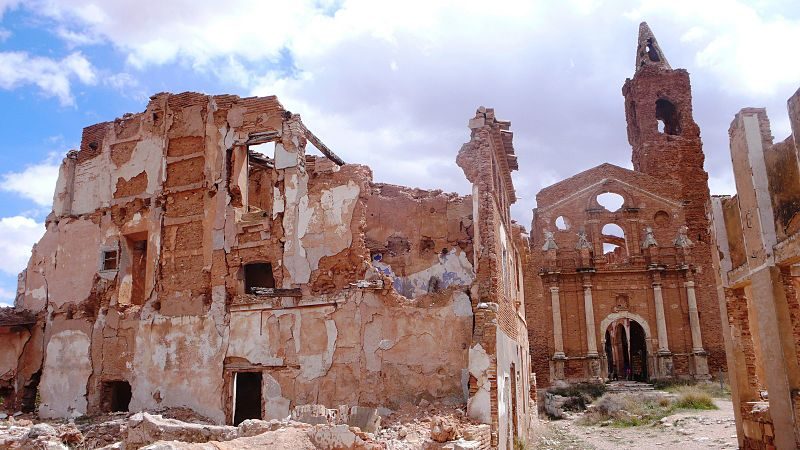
145	275
499	361
673	151
757	231
427	247
621	282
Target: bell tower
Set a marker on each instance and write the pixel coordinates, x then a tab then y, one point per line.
666	145
664	136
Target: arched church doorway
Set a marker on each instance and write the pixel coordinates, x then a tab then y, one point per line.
626	350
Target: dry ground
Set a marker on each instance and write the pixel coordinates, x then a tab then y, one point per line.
686	430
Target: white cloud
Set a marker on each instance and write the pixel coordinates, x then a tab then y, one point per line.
36	182
7	297
51	76
17	236
746	46
392	84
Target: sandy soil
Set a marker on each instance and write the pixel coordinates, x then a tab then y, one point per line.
688	430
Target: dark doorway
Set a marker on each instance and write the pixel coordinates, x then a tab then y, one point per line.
638	349
258	275
116	396
247	397
30	393
623	355
612	368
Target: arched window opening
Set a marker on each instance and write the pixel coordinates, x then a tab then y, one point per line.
562	223
667	116
614	246
610	201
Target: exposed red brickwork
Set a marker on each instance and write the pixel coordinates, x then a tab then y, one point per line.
666	191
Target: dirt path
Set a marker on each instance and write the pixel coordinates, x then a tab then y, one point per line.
689	430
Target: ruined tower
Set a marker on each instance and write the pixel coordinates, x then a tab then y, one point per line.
666	144
664	136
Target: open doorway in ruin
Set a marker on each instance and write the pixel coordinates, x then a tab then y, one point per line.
116	396
246	396
626	350
137	249
258	276
30	393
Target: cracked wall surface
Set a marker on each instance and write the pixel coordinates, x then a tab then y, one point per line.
197	240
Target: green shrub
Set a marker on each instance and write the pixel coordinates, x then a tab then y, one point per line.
592	390
691	397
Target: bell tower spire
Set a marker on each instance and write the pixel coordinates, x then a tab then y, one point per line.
648	52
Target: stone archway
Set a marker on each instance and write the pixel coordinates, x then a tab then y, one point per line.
626	344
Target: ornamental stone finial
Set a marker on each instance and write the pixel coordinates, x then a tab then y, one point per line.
649	240
549	241
682	240
583	241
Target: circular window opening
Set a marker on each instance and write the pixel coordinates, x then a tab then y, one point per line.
610	201
661	219
562	223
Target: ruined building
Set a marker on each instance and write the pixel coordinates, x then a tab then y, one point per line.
197	257
757	233
628	292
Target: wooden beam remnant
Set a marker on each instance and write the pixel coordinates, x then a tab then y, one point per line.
323	148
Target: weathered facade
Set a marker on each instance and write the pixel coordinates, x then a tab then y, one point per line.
181	267
757	237
628	292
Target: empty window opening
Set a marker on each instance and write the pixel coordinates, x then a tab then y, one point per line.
110	260
668	118
652	53
258	277
246	396
562	223
610	201
266	149
613	242
138	251
116	396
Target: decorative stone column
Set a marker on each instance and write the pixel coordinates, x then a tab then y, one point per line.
591	337
663	356
558	338
699	355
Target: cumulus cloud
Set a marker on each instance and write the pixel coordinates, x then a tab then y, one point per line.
53	77
386	85
17	236
36	182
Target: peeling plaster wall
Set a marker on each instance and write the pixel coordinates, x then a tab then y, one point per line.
178	362
12	344
178	176
365	349
66	371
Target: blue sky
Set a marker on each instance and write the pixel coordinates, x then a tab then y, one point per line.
387	84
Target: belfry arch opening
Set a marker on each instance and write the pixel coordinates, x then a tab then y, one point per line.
667	117
626	350
652	53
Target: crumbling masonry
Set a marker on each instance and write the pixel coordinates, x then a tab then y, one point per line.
758	236
182	268
628	292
